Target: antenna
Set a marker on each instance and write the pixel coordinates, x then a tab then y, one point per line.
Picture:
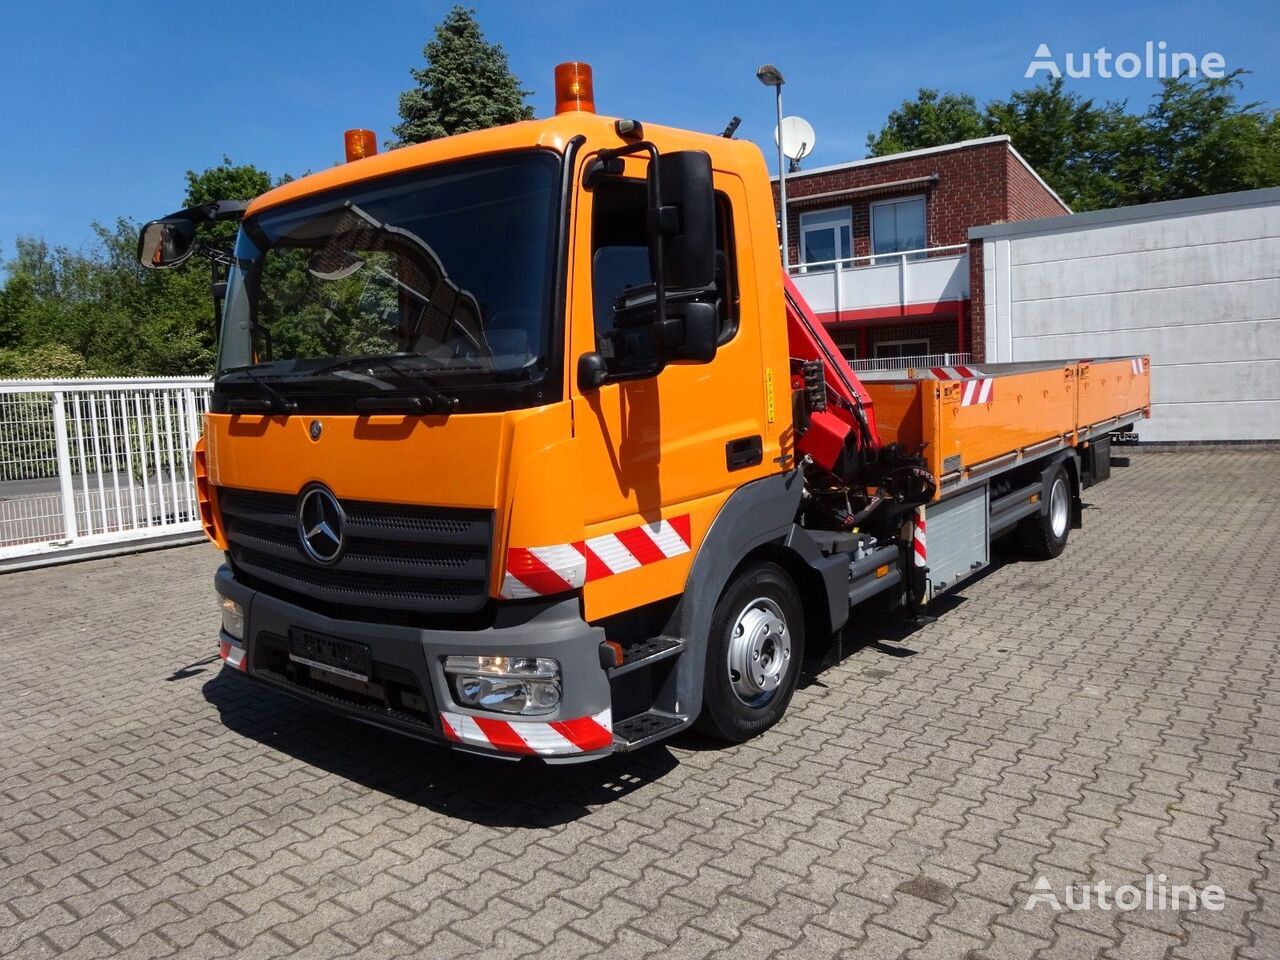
797	138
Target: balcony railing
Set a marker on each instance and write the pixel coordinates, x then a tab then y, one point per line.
852	288
876	364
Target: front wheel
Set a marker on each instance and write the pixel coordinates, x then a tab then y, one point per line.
1044	535
753	654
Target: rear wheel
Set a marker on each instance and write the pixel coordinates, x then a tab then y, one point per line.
1043	535
753	654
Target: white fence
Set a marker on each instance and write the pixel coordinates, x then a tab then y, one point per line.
92	463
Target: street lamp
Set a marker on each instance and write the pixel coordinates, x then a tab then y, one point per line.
771	76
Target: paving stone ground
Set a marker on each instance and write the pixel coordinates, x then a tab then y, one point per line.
1104	716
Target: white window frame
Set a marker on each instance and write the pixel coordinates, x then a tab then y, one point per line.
835	218
871	226
875	349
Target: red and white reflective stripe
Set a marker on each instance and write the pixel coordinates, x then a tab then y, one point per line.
977	391
1135	364
232	654
543	571
918	547
953	373
532	737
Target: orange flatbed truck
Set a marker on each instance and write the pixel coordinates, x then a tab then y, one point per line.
522	442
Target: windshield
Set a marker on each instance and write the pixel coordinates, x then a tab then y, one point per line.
449	270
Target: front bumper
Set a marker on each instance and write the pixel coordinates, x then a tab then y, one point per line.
410	661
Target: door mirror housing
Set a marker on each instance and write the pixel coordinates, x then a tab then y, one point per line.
686	220
166	243
170	241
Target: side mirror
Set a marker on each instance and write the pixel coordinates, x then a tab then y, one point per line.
166	243
170	241
692	331
687	219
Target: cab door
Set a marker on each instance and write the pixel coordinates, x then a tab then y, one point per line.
658	456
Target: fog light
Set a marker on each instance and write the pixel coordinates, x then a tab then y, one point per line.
524	685
232	617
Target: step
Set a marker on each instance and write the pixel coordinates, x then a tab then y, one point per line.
646	653
644	728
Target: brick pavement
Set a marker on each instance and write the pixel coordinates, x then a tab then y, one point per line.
1102	716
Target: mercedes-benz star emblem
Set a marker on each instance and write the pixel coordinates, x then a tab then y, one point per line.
316	429
320	522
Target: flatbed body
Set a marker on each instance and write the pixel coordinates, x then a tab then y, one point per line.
979	420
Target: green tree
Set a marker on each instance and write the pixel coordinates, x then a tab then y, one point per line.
1088	152
931	119
19	311
1199	139
1195	138
48	360
226	181
466	84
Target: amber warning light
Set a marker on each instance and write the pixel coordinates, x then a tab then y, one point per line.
574	90
360	144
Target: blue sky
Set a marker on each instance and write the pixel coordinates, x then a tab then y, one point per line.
105	105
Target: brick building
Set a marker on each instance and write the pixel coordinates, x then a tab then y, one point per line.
880	247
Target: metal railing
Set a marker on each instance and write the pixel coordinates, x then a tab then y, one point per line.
873	364
930	274
87	463
899	257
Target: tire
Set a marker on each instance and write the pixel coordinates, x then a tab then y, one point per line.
758	623
1043	536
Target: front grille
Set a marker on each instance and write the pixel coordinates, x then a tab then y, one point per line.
394	557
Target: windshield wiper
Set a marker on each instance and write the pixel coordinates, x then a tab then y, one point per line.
423	395
276	401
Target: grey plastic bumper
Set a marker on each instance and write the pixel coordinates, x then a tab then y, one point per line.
555	629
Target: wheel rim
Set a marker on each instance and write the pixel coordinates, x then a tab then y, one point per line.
1058	508
759	652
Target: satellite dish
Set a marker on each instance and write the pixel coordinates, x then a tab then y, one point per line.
797	138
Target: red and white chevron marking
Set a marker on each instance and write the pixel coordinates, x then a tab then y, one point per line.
919	549
977	391
560	737
232	655
544	571
1135	365
953	373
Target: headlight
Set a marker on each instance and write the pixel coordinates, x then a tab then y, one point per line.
524	685
232	617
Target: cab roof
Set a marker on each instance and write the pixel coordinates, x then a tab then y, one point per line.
553	133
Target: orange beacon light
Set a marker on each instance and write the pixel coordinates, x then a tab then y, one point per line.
360	144
574	89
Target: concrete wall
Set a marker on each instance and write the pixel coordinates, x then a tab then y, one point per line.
1194	283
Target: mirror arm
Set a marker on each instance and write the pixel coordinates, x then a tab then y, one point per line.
219	258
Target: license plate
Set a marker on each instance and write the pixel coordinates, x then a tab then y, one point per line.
343	657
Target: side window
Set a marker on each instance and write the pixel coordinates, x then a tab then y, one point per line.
898	225
726	270
825	236
620	271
